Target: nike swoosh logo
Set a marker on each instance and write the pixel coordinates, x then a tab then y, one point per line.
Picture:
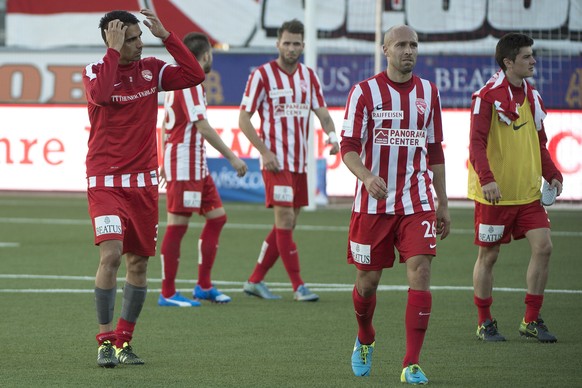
117	84
431	246
422	314
516	127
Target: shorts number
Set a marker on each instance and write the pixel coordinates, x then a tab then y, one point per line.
430	229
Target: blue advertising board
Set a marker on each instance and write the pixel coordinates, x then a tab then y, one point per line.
557	78
251	187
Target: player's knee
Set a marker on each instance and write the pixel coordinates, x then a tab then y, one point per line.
543	249
136	265
220	221
110	261
488	257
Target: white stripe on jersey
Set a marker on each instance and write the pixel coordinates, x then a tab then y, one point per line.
167	158
278	129
393	159
185	154
123	180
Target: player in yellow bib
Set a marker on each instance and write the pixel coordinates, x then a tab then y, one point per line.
508	158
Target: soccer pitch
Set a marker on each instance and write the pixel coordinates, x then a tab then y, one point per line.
48	324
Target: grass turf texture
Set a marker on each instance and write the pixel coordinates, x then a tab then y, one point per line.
48	334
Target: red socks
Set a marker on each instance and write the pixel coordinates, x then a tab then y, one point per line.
267	258
207	248
289	256
417	314
533	305
123	332
171	257
364	308
483	308
107	336
278	242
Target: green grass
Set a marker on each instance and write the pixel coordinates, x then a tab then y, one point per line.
47	335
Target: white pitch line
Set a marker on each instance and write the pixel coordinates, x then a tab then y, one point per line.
321	228
9	244
274	286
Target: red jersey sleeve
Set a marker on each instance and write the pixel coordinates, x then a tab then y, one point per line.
480	124
549	169
99	88
186	73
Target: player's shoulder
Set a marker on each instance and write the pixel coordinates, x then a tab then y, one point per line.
271	64
419	79
364	85
151	61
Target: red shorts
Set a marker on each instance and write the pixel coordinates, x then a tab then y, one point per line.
187	197
129	214
373	237
285	188
496	224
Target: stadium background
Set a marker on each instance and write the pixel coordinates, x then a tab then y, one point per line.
46	44
47	260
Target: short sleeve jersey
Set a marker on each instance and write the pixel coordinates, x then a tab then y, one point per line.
284	102
185	150
394	122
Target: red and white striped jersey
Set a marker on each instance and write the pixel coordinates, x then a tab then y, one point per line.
394	123
284	102
185	151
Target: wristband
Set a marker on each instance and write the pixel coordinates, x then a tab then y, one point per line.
332	137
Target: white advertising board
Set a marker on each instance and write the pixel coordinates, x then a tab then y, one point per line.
43	148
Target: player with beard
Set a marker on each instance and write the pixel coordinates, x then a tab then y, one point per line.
391	141
284	92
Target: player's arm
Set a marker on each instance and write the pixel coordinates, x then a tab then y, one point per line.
212	137
188	72
99	80
162	178
329	128
481	112
270	162
437	166
351	148
443	217
549	170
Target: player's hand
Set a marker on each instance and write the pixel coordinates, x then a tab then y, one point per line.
162	177
491	192
334	148
270	162
240	166
376	187
154	24
333	141
558	185
115	34
443	221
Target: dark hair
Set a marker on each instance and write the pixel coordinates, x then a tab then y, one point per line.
197	43
509	46
125	17
292	26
